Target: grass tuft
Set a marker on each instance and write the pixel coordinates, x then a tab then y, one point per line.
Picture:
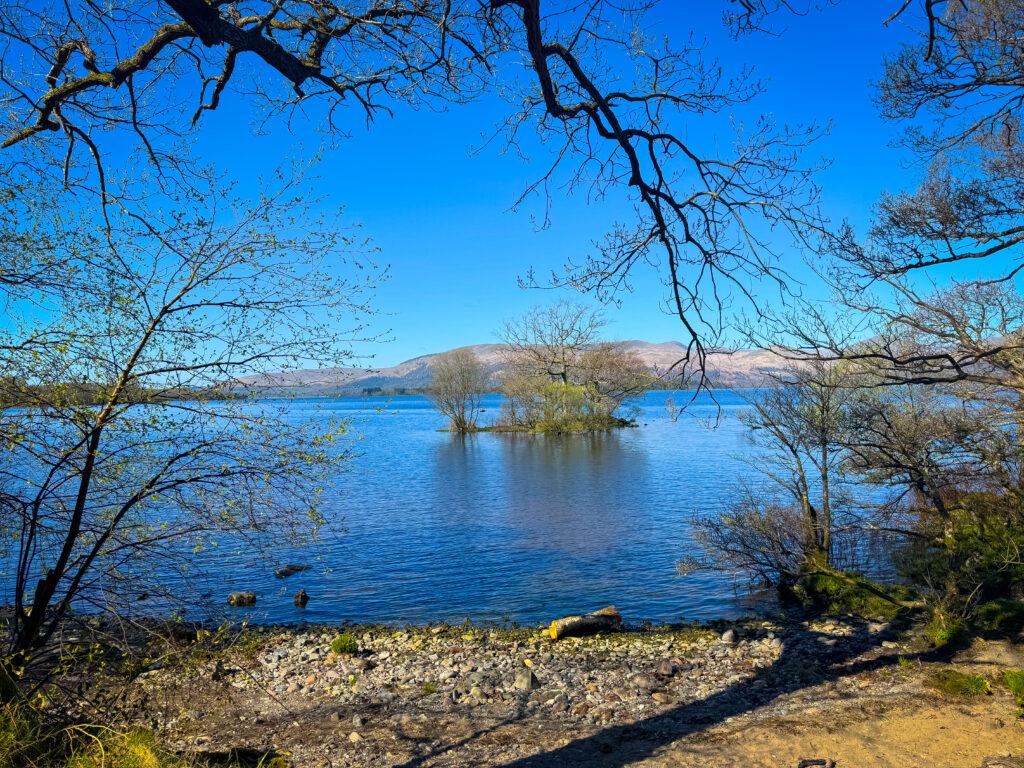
1013	679
946	631
955	683
345	643
1001	618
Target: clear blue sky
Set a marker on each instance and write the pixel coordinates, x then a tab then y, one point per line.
440	216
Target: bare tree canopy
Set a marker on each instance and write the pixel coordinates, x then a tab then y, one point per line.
122	443
150	70
560	372
458	381
957	93
901	298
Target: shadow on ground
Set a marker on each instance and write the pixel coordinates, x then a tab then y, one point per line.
808	659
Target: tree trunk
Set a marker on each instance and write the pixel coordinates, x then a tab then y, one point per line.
575	626
826	507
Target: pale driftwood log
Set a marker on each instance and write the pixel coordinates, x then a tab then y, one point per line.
574	626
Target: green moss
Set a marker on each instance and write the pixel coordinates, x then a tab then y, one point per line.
1013	679
345	643
838	592
999	617
27	741
955	683
429	688
692	635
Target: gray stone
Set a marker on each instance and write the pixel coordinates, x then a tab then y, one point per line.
1003	761
666	668
646	682
729	637
526	680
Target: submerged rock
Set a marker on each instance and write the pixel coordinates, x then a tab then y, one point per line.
288	570
242	599
300	599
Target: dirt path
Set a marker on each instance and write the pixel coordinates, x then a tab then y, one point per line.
923	734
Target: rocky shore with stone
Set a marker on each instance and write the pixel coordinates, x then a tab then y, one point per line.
449	695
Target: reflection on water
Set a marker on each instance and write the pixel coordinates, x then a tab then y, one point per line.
433	526
571	490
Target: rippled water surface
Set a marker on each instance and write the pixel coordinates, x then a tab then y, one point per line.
509	527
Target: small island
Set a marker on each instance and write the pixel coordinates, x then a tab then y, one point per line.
558	376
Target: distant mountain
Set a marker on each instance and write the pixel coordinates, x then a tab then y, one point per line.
737	368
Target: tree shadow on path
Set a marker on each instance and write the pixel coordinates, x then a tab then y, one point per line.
808	659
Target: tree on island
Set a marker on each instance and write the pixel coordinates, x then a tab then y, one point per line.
560	376
458	381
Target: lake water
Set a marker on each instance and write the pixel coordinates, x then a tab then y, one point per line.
427	525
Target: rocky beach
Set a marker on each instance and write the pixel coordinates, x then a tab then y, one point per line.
760	692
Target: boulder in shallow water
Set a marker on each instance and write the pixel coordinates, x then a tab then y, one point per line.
300	599
242	599
288	570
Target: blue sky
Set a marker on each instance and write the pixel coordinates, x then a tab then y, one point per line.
440	216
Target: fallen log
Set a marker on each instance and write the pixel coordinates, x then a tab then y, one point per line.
575	626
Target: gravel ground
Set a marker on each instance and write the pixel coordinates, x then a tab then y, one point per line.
467	696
